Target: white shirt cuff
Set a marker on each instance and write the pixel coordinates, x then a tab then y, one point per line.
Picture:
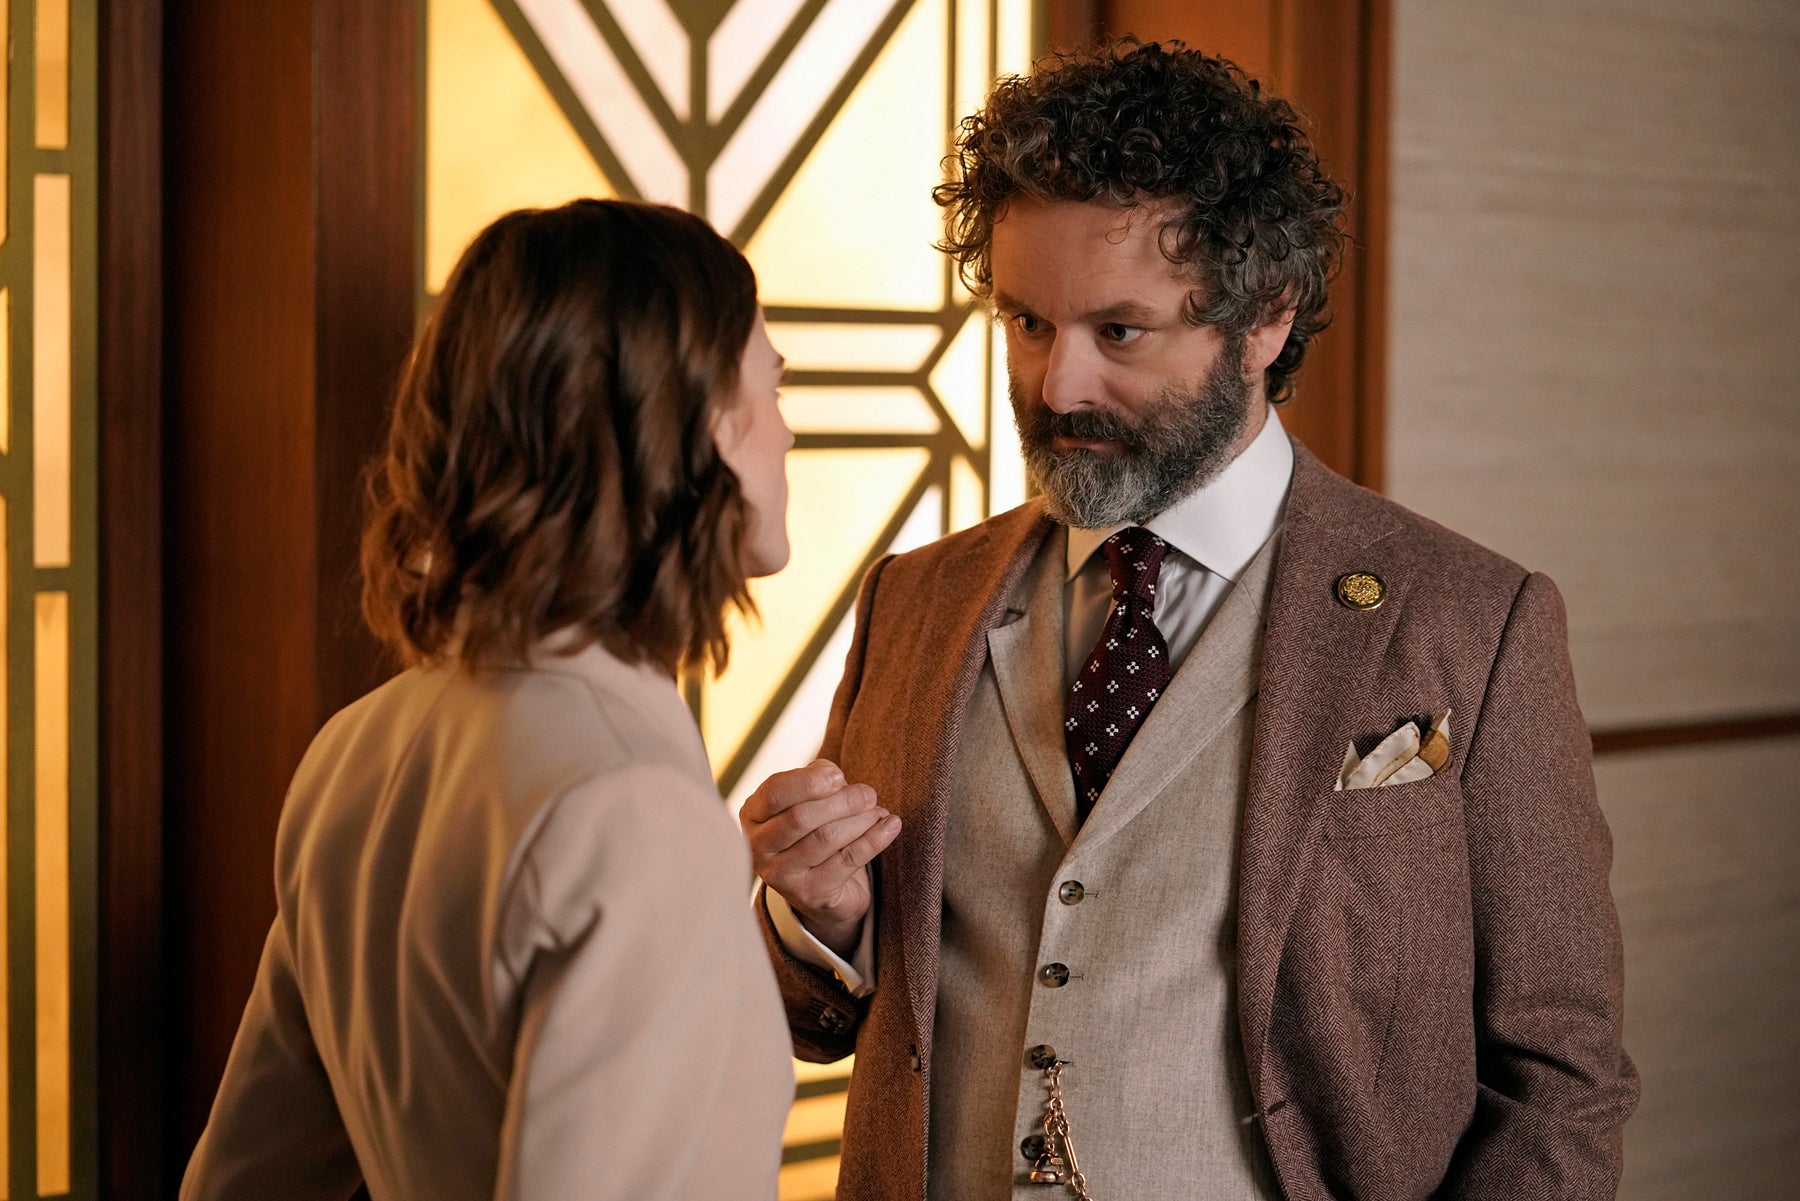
858	975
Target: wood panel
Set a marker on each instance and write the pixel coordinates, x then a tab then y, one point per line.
364	300
1595	346
1330	59
1728	729
241	618
133	1000
289	189
1242	30
1705	841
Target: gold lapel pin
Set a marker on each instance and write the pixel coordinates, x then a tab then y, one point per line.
1361	590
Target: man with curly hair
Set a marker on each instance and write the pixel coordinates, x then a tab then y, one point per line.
1208	826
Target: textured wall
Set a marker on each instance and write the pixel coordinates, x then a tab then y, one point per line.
1705	846
1595	326
1595	368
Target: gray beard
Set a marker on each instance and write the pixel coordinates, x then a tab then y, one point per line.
1182	441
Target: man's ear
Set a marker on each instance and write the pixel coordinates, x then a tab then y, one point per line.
1263	343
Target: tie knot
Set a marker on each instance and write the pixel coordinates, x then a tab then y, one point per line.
1135	555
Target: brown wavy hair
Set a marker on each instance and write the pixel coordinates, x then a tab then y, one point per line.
1257	219
550	463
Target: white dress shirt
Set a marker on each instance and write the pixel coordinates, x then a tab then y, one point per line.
1212	535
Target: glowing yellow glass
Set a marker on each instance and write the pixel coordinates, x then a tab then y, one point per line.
495	139
850	236
839	502
968	498
857	224
815	1119
974	50
960	378
5	90
809	1180
5	886
5	363
50	366
852	346
53	73
51	718
1012	37
1006	464
811	410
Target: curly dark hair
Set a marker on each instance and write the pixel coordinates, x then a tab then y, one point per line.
1258	220
550	464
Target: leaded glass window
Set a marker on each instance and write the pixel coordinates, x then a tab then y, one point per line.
47	507
811	132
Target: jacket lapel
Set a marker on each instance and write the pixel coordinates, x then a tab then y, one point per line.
1318	657
966	597
1026	652
1215	681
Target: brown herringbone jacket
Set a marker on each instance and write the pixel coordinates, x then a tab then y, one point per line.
1430	974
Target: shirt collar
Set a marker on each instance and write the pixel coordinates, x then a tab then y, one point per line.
1223	523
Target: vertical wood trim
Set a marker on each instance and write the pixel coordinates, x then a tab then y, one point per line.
1320	64
290	171
368	125
1075	24
133	1069
1330	59
1373	208
240	534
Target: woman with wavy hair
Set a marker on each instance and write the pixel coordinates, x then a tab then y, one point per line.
513	955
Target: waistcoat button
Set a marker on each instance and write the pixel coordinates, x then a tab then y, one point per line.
1032	1147
1055	975
1042	1057
1071	892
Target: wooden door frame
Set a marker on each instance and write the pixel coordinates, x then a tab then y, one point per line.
1331	60
349	316
133	1058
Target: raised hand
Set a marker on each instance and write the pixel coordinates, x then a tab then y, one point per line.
811	834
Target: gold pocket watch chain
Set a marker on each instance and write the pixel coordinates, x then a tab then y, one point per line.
1057	1164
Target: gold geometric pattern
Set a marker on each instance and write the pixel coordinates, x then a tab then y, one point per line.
49	588
810	132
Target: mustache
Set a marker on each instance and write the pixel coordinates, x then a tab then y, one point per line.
1084	425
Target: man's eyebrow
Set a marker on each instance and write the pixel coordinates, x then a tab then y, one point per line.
1005	300
1130	312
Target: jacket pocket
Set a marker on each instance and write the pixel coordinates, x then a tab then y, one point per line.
1393	808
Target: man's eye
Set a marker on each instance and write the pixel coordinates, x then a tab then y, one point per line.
1025	323
1120	335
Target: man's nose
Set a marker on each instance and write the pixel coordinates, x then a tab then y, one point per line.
1071	376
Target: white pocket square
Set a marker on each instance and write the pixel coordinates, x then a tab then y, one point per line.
1402	756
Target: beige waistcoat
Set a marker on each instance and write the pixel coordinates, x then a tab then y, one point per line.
1156	1091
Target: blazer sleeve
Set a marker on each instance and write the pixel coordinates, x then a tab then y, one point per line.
648	1050
275	1132
822	1014
1553	1082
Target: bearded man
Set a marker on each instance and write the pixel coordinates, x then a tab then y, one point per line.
1208	826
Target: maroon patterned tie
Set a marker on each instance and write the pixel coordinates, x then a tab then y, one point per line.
1126	673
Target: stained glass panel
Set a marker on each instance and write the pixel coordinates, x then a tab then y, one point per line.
51	365
48	711
811	132
52	73
52	863
5	367
5	880
496	139
873	170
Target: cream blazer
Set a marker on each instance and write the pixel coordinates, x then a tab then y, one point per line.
511	959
